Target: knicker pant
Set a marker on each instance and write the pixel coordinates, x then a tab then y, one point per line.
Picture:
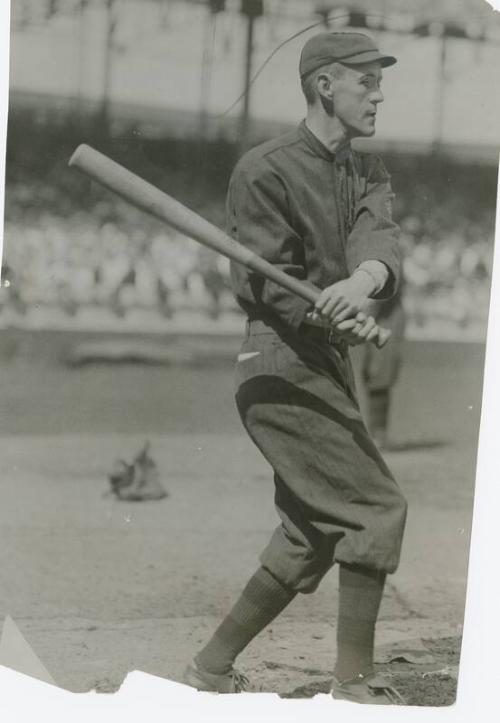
336	498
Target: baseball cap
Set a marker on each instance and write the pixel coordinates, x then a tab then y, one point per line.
348	48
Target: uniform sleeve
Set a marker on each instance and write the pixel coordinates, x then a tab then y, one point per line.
258	217
374	235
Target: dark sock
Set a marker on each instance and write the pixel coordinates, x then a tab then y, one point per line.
261	601
360	593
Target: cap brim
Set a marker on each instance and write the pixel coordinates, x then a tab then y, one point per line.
370	56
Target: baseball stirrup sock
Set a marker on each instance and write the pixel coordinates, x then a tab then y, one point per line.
261	601
360	593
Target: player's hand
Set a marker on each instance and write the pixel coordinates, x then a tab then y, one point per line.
360	330
344	299
363	328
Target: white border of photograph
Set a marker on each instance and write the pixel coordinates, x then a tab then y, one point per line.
144	697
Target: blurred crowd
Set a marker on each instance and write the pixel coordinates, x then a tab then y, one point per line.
448	262
59	254
109	256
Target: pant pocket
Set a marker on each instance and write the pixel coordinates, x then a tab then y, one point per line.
262	354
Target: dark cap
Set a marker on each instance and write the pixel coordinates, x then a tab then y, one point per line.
347	48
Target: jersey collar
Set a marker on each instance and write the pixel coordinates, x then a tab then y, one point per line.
319	148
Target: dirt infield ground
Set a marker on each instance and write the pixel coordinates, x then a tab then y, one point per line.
100	587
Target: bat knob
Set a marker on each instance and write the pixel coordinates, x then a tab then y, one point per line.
383	337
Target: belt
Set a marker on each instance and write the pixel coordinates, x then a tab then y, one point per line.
318	334
322	335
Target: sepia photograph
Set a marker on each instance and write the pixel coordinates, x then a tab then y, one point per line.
245	283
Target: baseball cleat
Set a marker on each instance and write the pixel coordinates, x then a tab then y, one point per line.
371	690
232	682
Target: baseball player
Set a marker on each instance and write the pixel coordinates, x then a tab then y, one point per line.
314	207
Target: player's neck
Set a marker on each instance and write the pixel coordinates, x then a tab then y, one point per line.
327	129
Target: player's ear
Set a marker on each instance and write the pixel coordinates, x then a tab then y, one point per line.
325	85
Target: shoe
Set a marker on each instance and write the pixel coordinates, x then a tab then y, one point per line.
232	682
372	690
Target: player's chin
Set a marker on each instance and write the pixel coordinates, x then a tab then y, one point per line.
367	129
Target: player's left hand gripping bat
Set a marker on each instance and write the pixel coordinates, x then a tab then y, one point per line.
150	199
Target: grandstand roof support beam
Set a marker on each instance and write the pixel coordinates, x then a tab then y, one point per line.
104	112
82	19
244	129
251	9
206	69
440	94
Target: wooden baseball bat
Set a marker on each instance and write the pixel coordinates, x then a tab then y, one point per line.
150	199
